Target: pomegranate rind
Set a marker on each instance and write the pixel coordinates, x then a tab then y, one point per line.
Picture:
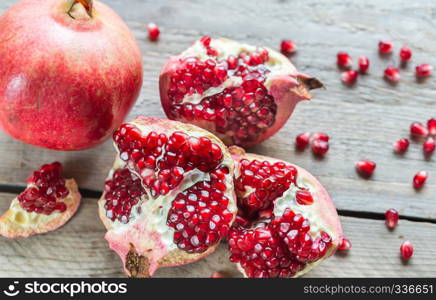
285	84
141	248
18	223
322	207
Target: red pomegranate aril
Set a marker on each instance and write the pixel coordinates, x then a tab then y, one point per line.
391	218
431	126
406	250
349	77
385	47
365	167
344	245
418	129
319	147
429	146
343	60
320	136
392	74
153	31
302	140
419	179
405	54
401	145
363	62
288	47
304	197
423	70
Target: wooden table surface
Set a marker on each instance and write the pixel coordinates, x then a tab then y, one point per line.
363	122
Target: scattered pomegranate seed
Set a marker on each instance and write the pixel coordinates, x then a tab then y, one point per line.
424	70
392	74
218	275
385	47
344	245
405	54
429	146
349	77
419	179
363	64
365	167
288	47
319	143
406	250
401	145
431	126
417	129
304	197
344	60
302	140
153	31
391	217
320	136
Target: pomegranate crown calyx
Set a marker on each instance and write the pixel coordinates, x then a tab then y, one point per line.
87	5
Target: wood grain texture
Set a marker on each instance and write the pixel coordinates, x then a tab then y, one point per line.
79	250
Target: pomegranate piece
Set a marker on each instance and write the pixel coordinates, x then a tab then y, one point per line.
301	229
169	199
363	62
153	31
47	203
406	250
431	126
349	77
241	93
302	140
343	60
288	47
401	145
405	54
423	70
429	146
344	245
365	167
417	129
392	74
419	179
385	47
391	218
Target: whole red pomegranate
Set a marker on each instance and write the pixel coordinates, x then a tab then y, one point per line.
243	94
70	72
286	222
169	198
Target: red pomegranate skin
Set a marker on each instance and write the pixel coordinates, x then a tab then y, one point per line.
65	83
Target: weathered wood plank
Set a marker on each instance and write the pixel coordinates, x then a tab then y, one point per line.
79	250
363	121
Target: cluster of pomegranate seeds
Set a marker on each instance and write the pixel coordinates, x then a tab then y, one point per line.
278	249
392	74
345	245
153	31
47	189
162	161
122	192
385	47
288	47
419	179
391	218
401	146
363	63
243	112
365	167
343	60
419	130
405	54
205	40
406	250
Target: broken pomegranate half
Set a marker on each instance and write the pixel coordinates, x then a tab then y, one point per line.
286	223
243	94
47	203
169	198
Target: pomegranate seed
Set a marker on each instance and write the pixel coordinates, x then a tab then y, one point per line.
391	218
344	245
302	140
288	47
344	60
423	70
218	275
431	126
320	136
419	179
319	147
205	40
392	74
153	31
385	47
363	64
304	197
349	77
418	129
429	146
405	54
406	250
401	145
365	167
